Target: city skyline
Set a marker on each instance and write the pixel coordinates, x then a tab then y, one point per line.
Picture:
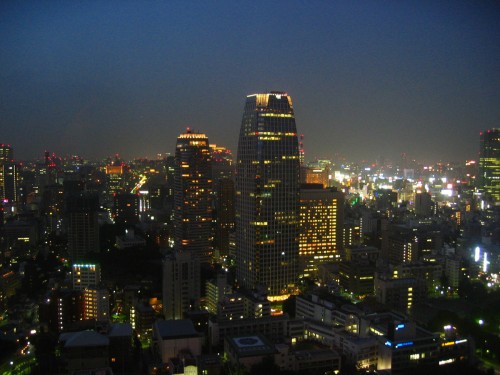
371	81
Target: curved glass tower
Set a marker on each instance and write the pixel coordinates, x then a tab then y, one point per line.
267	196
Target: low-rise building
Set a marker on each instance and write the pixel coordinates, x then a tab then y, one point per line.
402	344
279	328
170	337
83	350
246	351
317	360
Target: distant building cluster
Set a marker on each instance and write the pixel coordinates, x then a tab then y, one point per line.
193	263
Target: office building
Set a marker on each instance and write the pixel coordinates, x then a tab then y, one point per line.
400	294
351	235
356	277
423	204
489	163
225	215
315	175
86	275
403	243
142	317
267	196
82	351
6	153
82	226
126	208
310	361
192	196
216	288
96	303
276	328
63	310
171	337
222	163
181	284
249	350
321	227
402	344
9	182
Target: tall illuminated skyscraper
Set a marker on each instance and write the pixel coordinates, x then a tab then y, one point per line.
267	196
489	163
192	196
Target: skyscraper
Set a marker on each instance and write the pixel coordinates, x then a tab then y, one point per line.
192	196
9	182
489	163
83	225
267	195
223	192
224	207
9	175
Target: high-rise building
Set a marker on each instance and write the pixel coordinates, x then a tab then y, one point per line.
267	195
9	175
315	175
489	163
9	182
223	193
6	153
86	275
222	163
116	178
224	209
126	208
63	310
400	294
321	227
423	204
216	288
83	225
192	196
181	284
96	303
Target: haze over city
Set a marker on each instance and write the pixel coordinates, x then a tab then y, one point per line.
368	79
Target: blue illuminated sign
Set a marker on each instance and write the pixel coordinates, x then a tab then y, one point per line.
401	344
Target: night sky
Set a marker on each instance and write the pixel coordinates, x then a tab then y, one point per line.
369	79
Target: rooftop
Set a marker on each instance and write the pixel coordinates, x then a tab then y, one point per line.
82	339
120	330
251	345
172	329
